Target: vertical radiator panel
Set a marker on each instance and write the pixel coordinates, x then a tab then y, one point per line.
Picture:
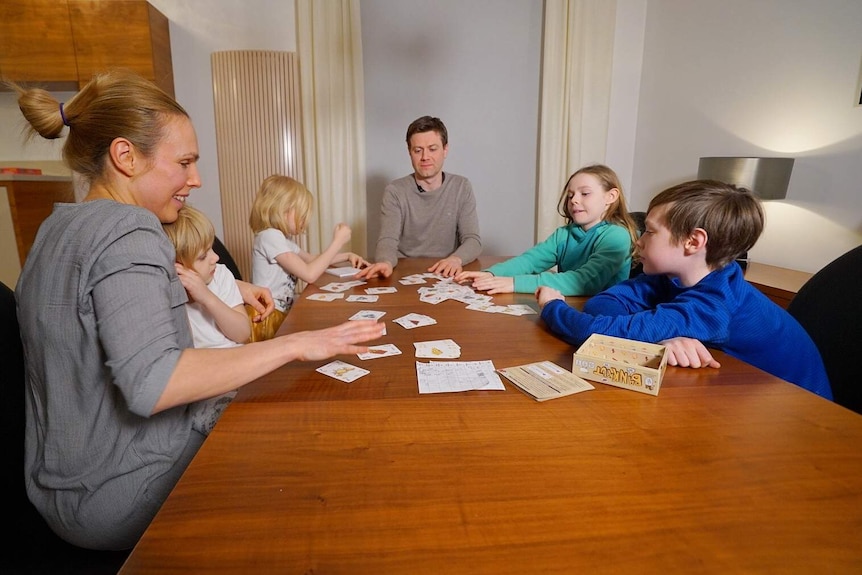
258	133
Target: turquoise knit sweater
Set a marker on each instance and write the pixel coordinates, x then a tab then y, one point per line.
587	261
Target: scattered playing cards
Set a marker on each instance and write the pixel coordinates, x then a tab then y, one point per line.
342	371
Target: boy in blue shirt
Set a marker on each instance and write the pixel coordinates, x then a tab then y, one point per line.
692	288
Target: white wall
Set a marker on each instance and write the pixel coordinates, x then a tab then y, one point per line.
475	65
764	78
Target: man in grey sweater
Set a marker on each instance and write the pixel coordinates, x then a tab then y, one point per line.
429	213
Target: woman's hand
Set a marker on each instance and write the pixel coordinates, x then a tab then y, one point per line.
342	339
260	298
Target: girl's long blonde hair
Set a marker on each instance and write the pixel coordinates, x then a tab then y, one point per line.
277	195
617	212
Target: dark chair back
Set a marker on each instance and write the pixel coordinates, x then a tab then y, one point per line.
640	223
225	258
829	307
30	546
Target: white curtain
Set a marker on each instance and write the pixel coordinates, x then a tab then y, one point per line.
329	46
577	61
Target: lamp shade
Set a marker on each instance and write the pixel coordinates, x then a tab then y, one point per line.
768	178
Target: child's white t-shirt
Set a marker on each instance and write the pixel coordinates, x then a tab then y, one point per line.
204	329
266	271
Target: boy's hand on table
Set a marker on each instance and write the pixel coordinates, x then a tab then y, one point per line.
545	294
688	352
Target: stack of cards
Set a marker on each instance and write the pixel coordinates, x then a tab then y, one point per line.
342	272
412	320
438	349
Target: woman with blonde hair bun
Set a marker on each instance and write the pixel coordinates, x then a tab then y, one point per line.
111	372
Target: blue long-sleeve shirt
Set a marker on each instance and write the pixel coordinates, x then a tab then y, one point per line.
587	261
722	310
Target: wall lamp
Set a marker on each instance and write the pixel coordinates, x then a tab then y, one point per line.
768	178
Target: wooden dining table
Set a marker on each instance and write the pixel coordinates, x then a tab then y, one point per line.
726	470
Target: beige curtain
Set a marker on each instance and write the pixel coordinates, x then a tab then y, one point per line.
577	61
329	47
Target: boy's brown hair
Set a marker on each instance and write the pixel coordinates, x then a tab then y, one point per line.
191	233
731	216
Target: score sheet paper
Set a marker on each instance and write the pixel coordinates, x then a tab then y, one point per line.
447	376
545	380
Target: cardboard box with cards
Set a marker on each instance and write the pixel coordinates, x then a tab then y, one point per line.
626	363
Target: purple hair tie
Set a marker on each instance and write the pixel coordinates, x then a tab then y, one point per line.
63	115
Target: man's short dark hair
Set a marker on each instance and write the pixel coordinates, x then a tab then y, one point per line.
428	124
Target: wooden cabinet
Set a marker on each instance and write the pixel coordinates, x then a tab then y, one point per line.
36	41
778	284
24	203
61	43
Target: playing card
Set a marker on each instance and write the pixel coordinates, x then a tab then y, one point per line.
518	309
379	290
342	371
375	351
437	349
411	280
325	296
368	314
412	320
341	286
365	298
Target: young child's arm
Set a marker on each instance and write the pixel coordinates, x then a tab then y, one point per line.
309	267
231	321
355	260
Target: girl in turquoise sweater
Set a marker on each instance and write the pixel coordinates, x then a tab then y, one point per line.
592	252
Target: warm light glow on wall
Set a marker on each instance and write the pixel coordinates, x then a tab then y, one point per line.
795	234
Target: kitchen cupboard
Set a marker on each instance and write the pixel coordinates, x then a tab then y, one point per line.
25	201
60	44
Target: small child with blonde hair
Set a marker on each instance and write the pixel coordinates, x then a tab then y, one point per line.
215	308
281	209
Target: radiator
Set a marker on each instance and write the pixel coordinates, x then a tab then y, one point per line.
258	133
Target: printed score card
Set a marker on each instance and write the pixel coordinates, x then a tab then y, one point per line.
545	380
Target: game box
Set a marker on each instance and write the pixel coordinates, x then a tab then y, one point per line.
626	363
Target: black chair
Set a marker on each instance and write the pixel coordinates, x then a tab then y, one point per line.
225	258
29	545
829	307
640	223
